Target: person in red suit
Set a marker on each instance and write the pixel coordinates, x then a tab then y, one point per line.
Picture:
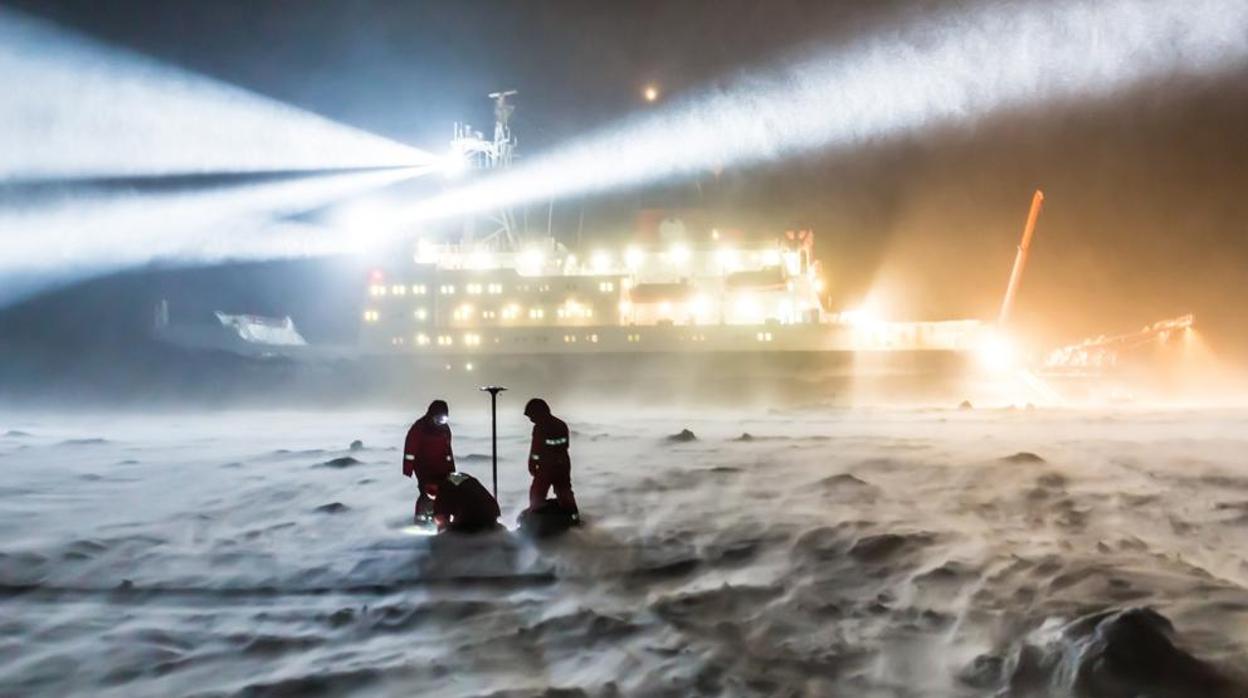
427	454
549	463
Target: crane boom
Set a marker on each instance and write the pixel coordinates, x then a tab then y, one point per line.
1020	259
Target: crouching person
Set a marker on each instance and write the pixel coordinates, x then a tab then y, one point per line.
461	503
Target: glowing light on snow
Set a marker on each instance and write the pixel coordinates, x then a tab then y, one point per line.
419	531
946	70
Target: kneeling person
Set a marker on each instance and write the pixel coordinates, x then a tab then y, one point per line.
461	503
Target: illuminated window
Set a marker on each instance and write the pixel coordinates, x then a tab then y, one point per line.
472	340
445	340
420	314
763	336
569	339
511	312
371	316
419	289
634	338
495	289
489	314
463	312
474	289
398	290
397	341
422	340
536	313
447	289
606	286
593	338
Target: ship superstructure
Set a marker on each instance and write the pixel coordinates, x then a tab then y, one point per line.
688	293
676	287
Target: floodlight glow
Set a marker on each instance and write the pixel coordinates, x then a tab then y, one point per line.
948	70
997	353
747	309
864	316
75	108
110	159
531	261
728	258
679	255
453	165
601	261
633	257
68	239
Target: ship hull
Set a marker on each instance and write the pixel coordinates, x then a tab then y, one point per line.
737	376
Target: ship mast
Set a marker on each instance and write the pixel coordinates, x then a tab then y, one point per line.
480	154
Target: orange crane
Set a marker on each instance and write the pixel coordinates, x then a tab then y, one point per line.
1020	259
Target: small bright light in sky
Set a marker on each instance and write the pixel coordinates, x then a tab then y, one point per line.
650	92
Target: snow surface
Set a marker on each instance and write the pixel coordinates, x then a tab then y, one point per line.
833	552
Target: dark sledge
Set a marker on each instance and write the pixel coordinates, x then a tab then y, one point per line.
547	520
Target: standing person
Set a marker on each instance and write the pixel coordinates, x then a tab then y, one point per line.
427	454
549	463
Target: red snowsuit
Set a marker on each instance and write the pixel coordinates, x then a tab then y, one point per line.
549	463
427	455
463	504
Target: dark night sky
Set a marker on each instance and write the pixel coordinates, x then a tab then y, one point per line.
1146	190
